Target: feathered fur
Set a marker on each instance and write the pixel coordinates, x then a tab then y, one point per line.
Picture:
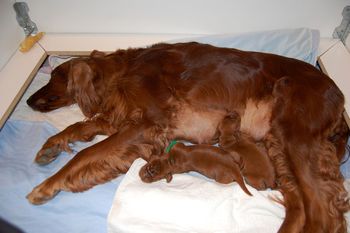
186	89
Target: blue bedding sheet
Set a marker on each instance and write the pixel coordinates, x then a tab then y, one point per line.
300	43
69	213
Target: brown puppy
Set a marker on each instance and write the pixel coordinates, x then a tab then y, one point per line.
257	169
207	160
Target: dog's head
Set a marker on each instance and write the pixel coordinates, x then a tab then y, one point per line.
156	169
54	94
72	82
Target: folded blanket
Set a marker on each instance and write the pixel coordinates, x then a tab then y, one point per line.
191	203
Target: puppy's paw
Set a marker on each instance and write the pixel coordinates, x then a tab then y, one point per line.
152	170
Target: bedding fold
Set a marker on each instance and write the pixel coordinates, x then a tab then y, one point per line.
190	203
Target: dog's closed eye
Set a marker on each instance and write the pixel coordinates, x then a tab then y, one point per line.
53	98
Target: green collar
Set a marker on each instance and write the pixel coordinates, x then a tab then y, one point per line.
171	144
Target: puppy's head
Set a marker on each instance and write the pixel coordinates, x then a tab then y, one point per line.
156	169
229	129
231	122
260	181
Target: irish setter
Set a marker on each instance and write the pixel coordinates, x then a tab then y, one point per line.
210	161
186	89
257	168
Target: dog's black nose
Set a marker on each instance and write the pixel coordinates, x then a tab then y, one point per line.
37	104
29	101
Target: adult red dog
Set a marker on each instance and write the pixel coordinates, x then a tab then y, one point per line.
142	98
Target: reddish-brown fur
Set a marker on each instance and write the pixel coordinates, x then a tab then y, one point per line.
257	169
207	160
137	138
187	89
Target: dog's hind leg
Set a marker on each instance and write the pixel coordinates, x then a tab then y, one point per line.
293	200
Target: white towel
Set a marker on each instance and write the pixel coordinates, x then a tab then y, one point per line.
190	204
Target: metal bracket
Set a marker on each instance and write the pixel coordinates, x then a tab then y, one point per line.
23	18
342	31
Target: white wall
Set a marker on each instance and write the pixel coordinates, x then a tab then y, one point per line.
184	16
167	16
11	33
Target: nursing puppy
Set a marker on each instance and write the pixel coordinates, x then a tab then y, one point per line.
257	169
207	160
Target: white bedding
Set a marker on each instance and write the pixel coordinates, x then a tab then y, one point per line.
190	204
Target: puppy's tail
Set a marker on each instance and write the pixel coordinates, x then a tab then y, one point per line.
240	181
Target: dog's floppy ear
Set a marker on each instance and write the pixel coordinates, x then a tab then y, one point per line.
169	177
81	87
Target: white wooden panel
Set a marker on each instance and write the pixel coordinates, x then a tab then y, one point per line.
11	33
83	44
16	76
184	16
325	44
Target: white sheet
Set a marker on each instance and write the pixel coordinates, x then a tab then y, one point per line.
190	204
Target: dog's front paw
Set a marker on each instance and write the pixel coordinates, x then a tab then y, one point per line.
41	194
50	151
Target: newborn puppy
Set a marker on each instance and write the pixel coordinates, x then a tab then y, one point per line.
257	170
207	160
